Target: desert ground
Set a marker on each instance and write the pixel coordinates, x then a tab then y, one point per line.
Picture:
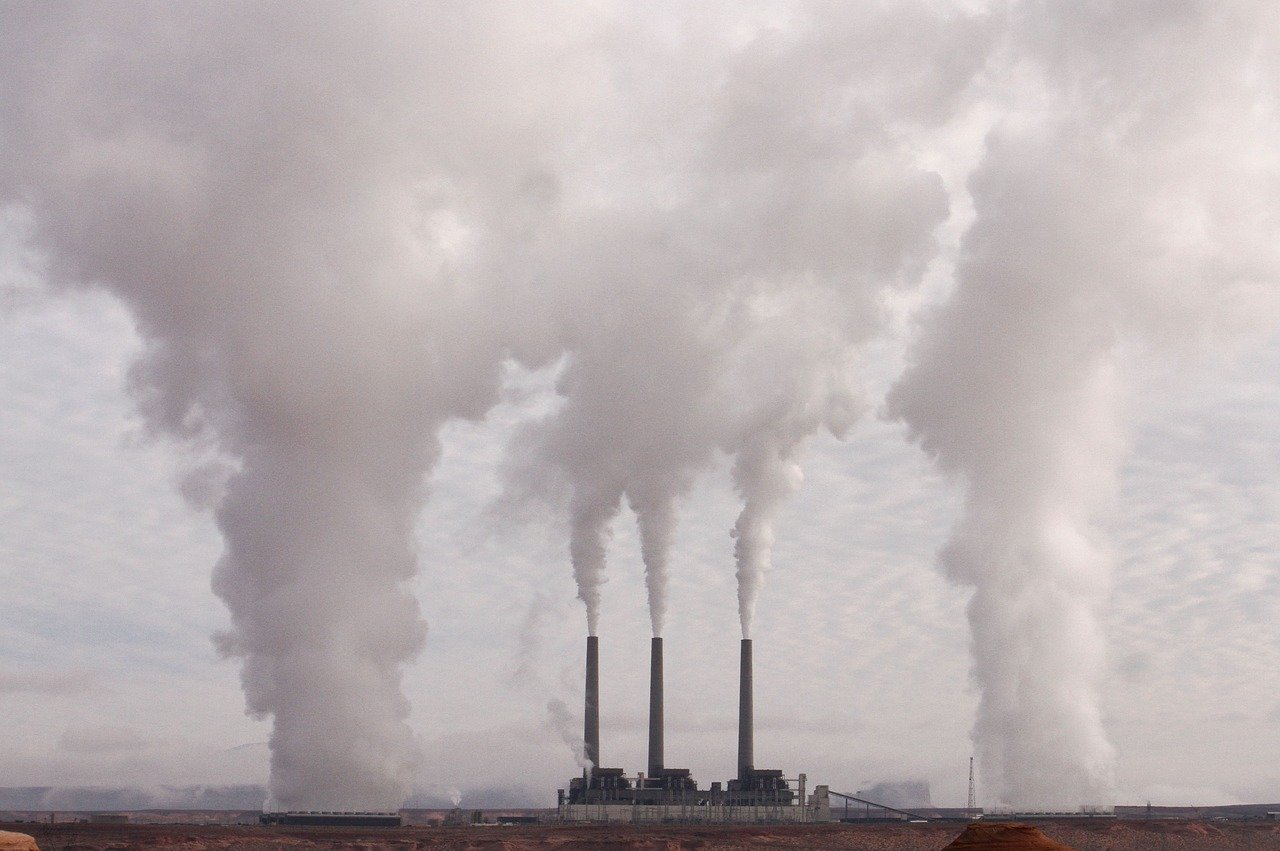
1120	835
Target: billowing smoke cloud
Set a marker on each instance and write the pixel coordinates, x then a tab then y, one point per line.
1134	193
797	375
332	225
305	209
725	279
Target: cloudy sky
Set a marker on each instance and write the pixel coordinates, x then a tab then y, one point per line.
667	138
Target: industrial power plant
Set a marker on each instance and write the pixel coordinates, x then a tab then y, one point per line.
662	794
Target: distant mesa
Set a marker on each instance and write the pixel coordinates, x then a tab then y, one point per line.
1007	836
10	841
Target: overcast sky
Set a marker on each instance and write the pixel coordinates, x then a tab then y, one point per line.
109	674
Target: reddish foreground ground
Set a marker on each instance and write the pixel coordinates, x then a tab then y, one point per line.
1120	835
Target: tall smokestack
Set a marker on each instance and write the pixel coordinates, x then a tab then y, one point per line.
655	707
591	717
746	727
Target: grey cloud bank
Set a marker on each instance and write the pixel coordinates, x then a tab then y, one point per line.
336	228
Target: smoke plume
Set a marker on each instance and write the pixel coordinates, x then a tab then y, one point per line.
722	306
798	377
569	729
289	201
332	226
1129	194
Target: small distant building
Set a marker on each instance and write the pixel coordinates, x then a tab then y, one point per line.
108	818
1053	815
458	816
332	819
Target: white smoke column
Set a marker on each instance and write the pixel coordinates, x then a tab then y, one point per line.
289	200
620	433
765	477
1130	195
589	540
569	728
656	520
797	374
1012	391
559	719
631	424
728	272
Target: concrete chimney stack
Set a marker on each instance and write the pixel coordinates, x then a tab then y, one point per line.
655	708
591	717
746	726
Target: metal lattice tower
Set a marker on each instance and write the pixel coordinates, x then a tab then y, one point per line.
973	790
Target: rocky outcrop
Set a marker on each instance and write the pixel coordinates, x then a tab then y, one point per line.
1007	836
10	841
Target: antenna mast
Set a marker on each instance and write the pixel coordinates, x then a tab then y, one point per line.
973	791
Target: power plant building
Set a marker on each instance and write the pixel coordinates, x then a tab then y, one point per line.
664	794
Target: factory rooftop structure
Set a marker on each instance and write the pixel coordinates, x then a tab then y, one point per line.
671	794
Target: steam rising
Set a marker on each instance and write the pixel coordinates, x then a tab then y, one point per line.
283	208
721	306
1115	205
800	376
569	729
334	224
765	478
